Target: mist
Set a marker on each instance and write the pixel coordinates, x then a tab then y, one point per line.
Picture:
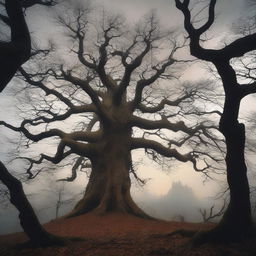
180	203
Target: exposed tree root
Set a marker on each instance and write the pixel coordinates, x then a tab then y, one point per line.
100	212
55	241
110	201
221	235
180	232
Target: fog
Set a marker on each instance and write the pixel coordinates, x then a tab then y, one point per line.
180	203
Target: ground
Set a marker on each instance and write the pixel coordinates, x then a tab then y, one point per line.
122	235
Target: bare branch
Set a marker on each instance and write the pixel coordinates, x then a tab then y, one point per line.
81	162
164	151
210	215
164	123
81	136
141	84
174	103
29	3
235	49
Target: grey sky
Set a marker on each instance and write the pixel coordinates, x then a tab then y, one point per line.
228	11
133	10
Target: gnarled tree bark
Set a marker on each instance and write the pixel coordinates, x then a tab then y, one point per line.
108	189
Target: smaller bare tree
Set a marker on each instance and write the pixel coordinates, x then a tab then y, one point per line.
236	223
211	214
13	54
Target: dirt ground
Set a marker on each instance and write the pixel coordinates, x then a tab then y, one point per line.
122	235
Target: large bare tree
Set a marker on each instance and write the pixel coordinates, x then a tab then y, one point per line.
111	85
236	223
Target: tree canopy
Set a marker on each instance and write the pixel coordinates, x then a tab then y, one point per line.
110	82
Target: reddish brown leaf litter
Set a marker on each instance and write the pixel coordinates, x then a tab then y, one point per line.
122	235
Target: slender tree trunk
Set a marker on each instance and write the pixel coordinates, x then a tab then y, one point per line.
28	219
17	51
236	223
108	189
237	220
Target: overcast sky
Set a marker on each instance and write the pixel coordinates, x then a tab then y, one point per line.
133	10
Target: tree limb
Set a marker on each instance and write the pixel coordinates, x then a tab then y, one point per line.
164	151
141	84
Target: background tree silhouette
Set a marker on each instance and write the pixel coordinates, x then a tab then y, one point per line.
17	51
109	86
236	223
13	54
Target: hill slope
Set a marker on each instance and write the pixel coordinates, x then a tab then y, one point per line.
121	235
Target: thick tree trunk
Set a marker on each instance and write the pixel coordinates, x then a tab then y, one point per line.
236	223
108	189
28	219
